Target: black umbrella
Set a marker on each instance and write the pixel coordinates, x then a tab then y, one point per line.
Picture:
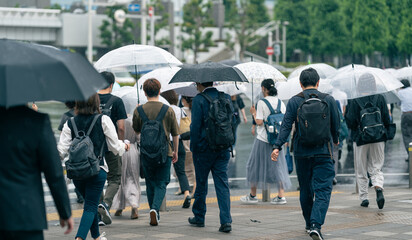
208	72
31	72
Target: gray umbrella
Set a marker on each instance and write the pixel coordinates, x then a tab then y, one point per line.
208	72
31	72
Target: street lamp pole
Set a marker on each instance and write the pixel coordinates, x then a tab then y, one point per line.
90	34
270	44
285	23
144	24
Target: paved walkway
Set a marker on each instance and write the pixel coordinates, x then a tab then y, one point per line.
345	219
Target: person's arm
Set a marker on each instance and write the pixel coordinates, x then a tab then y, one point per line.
286	127
195	126
64	141
258	113
351	114
137	122
244	115
113	143
50	165
120	129
335	120
175	148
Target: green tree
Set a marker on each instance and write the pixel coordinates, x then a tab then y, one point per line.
196	17
112	35
298	31
245	19
370	30
396	16
328	33
404	36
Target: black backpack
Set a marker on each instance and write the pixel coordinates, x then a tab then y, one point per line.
313	120
83	163
273	122
107	108
154	145
220	123
371	128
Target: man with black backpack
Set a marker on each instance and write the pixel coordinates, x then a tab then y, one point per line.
113	107
155	122
211	138
316	118
368	118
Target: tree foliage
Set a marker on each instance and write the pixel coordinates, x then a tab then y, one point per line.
112	35
404	37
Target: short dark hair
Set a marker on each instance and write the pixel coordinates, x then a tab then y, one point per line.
405	83
70	104
309	77
88	107
171	97
269	84
152	87
207	84
109	78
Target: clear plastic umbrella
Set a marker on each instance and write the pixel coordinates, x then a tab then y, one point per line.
129	97
324	70
286	90
136	58
404	73
349	67
163	75
255	73
365	81
230	88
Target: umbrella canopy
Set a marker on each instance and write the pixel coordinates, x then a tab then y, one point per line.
189	91
404	73
136	58
359	82
230	62
349	67
286	90
230	88
164	75
208	72
129	96
32	72
257	72
324	70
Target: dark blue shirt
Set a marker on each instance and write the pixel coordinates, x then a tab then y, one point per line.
200	111
291	118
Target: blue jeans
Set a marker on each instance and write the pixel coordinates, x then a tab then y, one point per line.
157	180
90	189
315	176
217	164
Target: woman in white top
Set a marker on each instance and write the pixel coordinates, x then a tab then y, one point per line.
103	135
261	171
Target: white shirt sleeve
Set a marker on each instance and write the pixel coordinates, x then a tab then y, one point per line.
65	141
115	145
260	110
282	107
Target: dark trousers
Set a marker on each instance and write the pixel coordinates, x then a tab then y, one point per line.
157	180
21	235
91	189
180	168
315	176
406	127
217	164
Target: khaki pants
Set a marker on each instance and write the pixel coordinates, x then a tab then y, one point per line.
114	162
369	158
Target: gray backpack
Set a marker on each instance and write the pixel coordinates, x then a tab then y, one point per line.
83	163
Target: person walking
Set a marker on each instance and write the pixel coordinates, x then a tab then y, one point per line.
312	146
261	171
129	190
189	166
155	122
28	148
405	95
207	160
113	107
179	166
369	135
101	130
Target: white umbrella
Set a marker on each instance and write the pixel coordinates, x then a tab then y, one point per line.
349	67
365	81
324	70
136	58
163	75
404	73
230	88
255	73
129	97
286	90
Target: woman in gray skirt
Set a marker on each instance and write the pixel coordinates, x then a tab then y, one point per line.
261	171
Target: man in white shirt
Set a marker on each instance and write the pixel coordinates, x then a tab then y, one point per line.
405	95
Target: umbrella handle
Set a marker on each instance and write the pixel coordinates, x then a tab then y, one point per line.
137	85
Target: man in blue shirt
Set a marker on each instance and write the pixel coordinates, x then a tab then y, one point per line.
314	164
206	160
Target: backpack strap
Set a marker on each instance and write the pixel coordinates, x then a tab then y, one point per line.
301	95
109	102
92	125
208	98
76	132
279	105
272	111
375	100
162	113
142	114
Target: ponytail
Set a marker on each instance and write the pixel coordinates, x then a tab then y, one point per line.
269	84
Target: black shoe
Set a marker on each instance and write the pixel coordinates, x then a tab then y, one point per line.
334	181
194	222
227	227
187	202
307	229
379	198
315	234
103	210
365	203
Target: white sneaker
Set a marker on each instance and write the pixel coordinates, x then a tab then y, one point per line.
103	236
249	200
278	201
